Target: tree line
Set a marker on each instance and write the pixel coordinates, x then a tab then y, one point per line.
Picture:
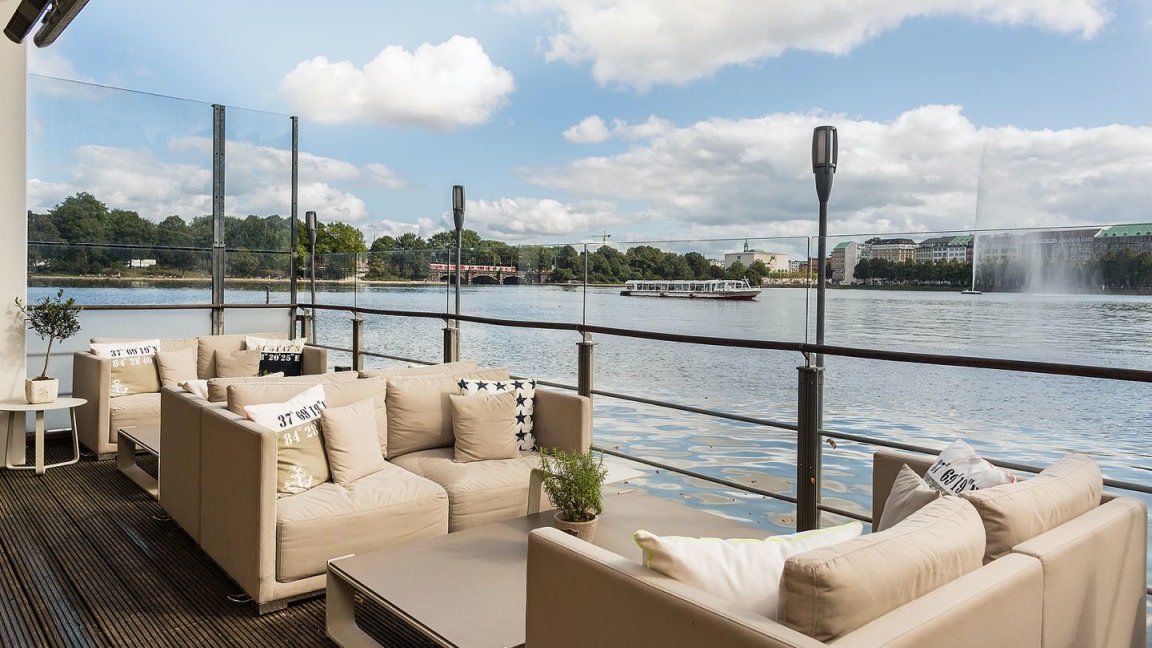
1116	270
82	236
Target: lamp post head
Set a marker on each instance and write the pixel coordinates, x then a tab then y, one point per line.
824	153
458	206
310	225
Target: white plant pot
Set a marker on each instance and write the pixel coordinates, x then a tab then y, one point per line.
41	391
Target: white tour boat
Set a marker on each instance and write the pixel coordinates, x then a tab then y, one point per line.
693	289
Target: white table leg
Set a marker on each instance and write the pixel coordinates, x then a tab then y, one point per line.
39	442
17	443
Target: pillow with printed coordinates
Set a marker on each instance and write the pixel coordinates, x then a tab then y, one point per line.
133	366
278	355
301	462
959	469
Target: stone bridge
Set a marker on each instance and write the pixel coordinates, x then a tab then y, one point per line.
482	275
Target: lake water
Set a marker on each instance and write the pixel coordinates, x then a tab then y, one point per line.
1019	417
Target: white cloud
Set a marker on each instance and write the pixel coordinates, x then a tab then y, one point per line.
437	86
257	182
590	130
50	63
640	43
917	173
532	220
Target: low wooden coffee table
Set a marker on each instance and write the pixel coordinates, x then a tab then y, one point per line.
468	588
127	440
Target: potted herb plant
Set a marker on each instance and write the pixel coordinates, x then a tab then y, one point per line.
573	482
52	319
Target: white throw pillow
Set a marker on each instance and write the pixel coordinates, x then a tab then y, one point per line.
525	391
301	462
196	387
746	572
959	469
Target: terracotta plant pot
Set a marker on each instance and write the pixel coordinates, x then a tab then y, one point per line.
41	391
583	530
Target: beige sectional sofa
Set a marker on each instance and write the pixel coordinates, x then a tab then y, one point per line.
1078	584
276	548
98	420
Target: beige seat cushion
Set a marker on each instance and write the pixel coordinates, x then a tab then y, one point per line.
1014	513
479	492
336	394
420	413
829	592
135	410
447	368
388	507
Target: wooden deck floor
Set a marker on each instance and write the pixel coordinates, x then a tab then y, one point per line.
87	558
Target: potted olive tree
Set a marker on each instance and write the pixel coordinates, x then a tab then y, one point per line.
52	319
573	482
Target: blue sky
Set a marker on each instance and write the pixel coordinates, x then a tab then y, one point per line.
651	120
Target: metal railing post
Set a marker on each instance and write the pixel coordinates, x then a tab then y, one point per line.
451	344
808	447
306	329
585	365
357	342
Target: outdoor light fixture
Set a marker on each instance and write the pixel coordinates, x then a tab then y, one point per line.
458	218
57	15
310	224
824	152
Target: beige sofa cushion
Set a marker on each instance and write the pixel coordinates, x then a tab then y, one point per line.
337	394
218	387
351	441
420	413
238	364
829	592
909	494
1014	513
208	345
132	366
484	427
388	507
176	366
447	368
135	410
480	492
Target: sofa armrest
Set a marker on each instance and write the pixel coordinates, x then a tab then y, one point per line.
314	360
885	466
997	606
92	380
1094	571
620	603
179	474
563	420
238	498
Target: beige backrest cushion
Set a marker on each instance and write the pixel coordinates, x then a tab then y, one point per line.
1014	513
447	368
350	439
484	427
909	494
237	364
176	366
336	394
208	345
218	387
829	592
420	413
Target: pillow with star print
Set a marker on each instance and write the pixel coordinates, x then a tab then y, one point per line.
525	391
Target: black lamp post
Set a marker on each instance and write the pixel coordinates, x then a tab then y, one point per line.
310	224
458	218
824	151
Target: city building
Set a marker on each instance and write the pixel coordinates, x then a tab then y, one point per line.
942	249
774	261
1136	238
845	256
896	250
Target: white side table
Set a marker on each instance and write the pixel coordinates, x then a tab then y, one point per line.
17	445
